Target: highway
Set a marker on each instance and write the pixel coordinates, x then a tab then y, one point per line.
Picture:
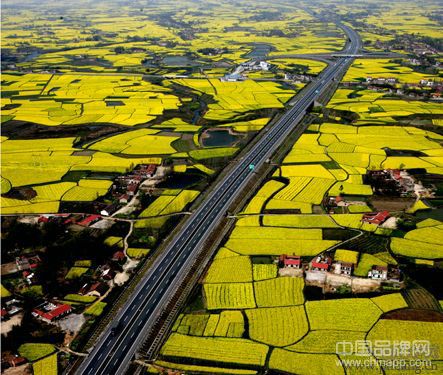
115	349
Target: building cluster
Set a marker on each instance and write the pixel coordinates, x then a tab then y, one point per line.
238	73
395	182
125	187
324	264
407	43
381	81
298	78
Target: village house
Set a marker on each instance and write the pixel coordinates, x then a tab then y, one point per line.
426	82
321	263
124	198
28	276
106	272
343	268
97	289
264	65
24	263
51	311
375	217
89	220
394	274
119	257
378	273
290	261
13	360
109	210
11	307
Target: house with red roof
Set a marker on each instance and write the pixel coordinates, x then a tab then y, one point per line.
119	256
14	360
290	261
50	311
321	263
4	313
376	217
97	289
89	220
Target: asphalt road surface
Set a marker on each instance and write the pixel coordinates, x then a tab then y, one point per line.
116	347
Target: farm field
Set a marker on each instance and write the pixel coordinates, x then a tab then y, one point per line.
95	94
72	99
287	215
383	68
113	39
233	99
23	163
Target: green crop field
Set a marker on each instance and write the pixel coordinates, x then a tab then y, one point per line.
222	350
264	271
92	89
277	326
304	364
230	270
416	249
387	329
324	341
343	314
390	302
281	291
34	351
229	296
95	309
46	366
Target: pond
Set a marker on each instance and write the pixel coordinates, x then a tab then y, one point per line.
259	50
218	138
181	180
179	61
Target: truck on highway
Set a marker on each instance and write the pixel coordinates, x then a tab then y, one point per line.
116	327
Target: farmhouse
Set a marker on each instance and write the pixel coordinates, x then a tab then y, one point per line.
290	261
378	273
375	217
119	256
50	311
89	220
109	210
25	263
12	307
264	65
321	263
97	289
124	198
13	360
343	268
106	272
